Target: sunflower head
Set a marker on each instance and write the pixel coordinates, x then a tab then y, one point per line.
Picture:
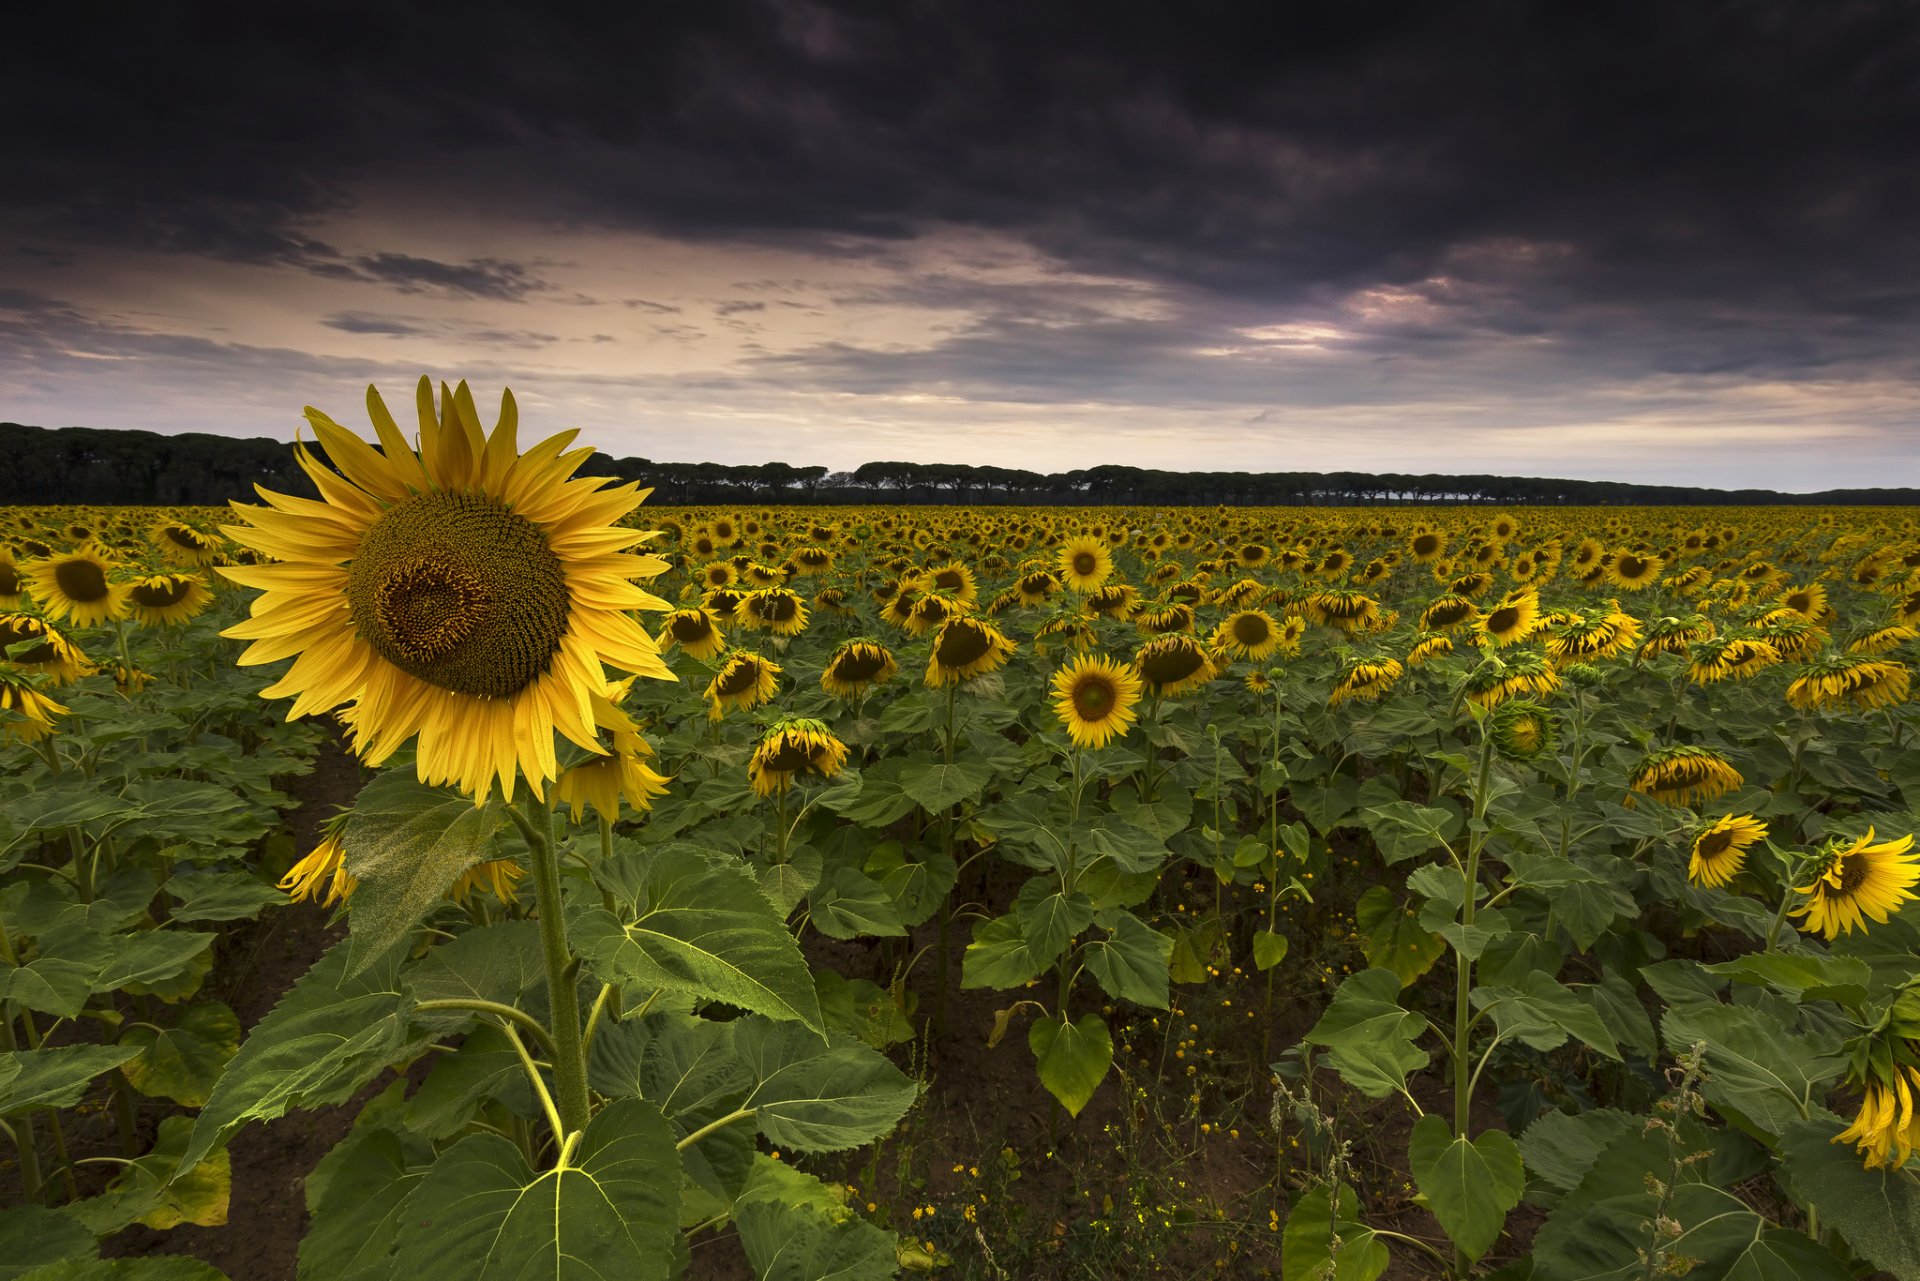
1173	665
1365	678
964	648
1085	563
165	600
1719	849
1249	633
1851	880
181	544
1522	729
13	587
26	714
1094	699
793	747
1682	775
857	666
78	587
695	631
34	645
779	610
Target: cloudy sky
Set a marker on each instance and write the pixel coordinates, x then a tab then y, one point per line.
1638	241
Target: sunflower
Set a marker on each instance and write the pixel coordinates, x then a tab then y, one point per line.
717	574
744	681
1470	585
952	579
930	612
1085	563
1720	849
1682	775
1881	640
1241	595
898	609
601	782
12	586
1428	645
722	603
1366	678
496	874
1512	618
1498	679
1837	679
1886	1131
1737	656
1343	608
779	610
1855	881
1810	602
1674	635
1587	638
694	631
1427	545
464	594
322	875
1035	586
1793	638
1448	612
1115	600
964	648
50	654
1094	698
1631	571
163	600
1075	631
1172	665
1251	633
856	667
1521	729
833	600
1259	682
182	544
26	715
812	560
76	587
792	747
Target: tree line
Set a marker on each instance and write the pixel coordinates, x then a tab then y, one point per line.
112	468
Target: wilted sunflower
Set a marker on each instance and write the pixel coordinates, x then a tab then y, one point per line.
1343	608
1739	657
1470	585
26	715
77	587
694	631
602	782
1683	775
721	602
1674	635
964	648
833	600
813	560
322	875
794	746
1881	640
1173	665
163	600
1075	631
932	611
12	586
1115	600
464	594
1240	595
1094	698
1496	679
898	609
1855	881
1161	620
1365	678
1793	638
496	874
1887	1130
1512	618
779	610
51	654
1085	563
1720	848
1035	586
744	681
1448	612
1587	638
857	666
1251	633
1428	645
182	544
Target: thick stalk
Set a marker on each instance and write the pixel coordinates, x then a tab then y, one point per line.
1463	991
1069	879
563	990
946	908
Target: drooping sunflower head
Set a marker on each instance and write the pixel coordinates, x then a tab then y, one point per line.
1887	1130
1094	699
13	587
44	651
1173	665
164	600
1035	586
1343	608
322	875
1854	880
931	610
1427	646
459	593
693	630
1448	612
1722	657
1365	678
1674	634
1720	849
1085	563
793	747
1793	638
26	714
1522	729
1068	629
966	647
779	610
181	544
1519	672
743	682
1878	640
857	666
722	602
1683	775
833	600
1114	600
78	587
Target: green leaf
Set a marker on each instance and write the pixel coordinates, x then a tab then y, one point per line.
1269	949
1319	1245
850	904
938	787
1541	1012
1403	830
1073	1058
1049	919
862	1009
33	1235
1560	1147
785	884
54	1077
1801	976
359	1214
182	1062
1131	963
1369	1036
207	894
1132	849
1876	1211
151	958
1395	939
919	885
819	1096
703	927
1469	1186
1778	1254
879	800
998	956
326	1038
459	1084
162	1267
1327	803
502	963
1758	1071
406	844
482	1214
793	1227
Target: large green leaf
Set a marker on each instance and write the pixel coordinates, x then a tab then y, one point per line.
208	894
1369	1036
1395	938
1561	1147
794	1228
691	1069
360	1210
459	1084
159	1192
1131	963
54	1078
406	844
848	904
918	886
33	1235
1072	1058
482	1214
1049	919
1877	1211
815	1095
1469	1186
1541	1012
938	787
702	926
1319	1245
502	963
1403	830
998	956
181	1062
1758	1071
326	1038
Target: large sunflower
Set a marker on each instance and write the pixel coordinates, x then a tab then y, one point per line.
50	654
1857	880
78	587
1094	698
464	594
1448	612
964	648
856	667
779	610
744	681
1251	633
695	631
1172	665
1720	848
1085	563
794	746
1512	618
1739	657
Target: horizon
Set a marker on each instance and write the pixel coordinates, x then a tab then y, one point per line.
1652	245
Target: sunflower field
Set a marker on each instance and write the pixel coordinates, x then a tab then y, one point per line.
471	871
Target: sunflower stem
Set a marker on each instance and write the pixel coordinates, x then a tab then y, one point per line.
563	969
1463	987
946	907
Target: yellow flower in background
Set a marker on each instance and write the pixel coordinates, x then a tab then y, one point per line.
26	715
1682	775
321	875
182	544
463	595
857	666
1885	1132
965	648
743	682
779	610
166	600
1720	849
1173	665
1094	699
1856	881
48	652
1085	564
77	587
1366	678
694	631
793	747
13	587
1251	634
498	875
